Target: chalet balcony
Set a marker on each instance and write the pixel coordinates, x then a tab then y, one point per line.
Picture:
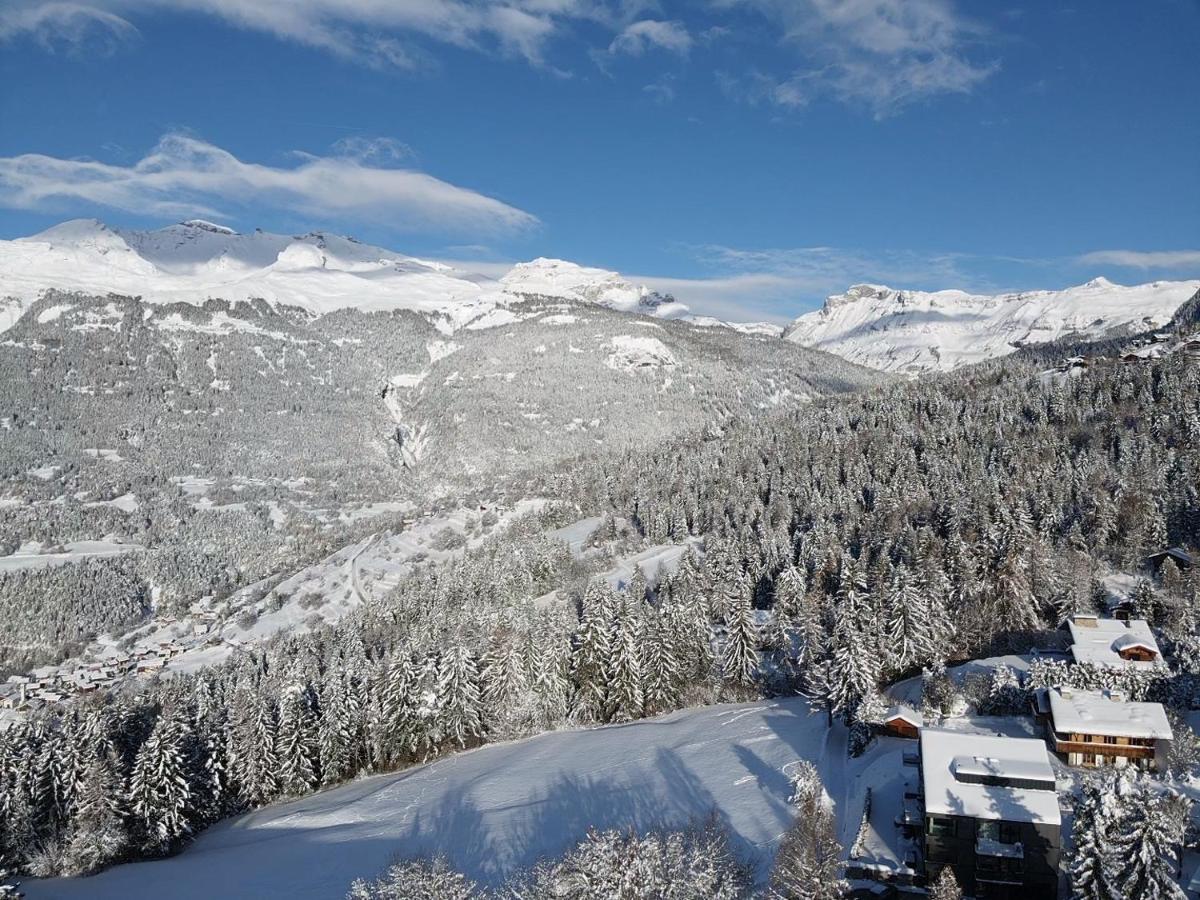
1099	748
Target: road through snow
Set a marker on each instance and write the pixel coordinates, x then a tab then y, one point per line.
497	809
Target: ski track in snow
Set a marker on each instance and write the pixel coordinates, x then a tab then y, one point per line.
498	809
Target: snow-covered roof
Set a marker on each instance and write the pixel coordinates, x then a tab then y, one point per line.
905	712
985	777
1095	712
1098	641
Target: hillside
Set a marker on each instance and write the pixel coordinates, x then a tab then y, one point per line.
915	331
500	808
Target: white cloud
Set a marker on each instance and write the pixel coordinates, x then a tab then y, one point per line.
183	175
882	53
1143	259
378	32
73	26
639	37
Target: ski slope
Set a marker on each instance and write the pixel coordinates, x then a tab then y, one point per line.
498	809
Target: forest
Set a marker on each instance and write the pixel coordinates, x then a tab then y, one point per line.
847	543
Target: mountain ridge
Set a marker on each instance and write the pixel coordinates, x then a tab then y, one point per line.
912	332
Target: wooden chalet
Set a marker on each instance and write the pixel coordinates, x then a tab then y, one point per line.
901	721
1092	728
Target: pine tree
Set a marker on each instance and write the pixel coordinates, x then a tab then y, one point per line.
460	717
1090	862
98	835
739	658
1145	848
296	743
624	676
945	886
160	786
593	649
661	665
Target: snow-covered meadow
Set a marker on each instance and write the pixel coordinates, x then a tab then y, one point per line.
501	808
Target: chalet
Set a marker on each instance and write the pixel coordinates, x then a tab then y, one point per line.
1177	555
1192	348
1092	728
991	814
901	721
1113	644
151	664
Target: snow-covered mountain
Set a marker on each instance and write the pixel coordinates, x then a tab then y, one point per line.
195	261
915	331
563	280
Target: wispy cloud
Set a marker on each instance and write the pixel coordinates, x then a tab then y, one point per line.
885	54
374	31
648	34
74	27
1144	259
184	175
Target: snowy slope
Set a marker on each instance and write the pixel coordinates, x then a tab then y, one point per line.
913	331
500	808
196	260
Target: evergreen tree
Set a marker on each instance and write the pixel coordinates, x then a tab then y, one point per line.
296	742
945	886
460	717
160	786
624	676
739	658
98	835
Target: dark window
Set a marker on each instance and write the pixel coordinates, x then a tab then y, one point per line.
941	827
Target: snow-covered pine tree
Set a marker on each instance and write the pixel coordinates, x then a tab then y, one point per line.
417	878
504	682
551	681
908	625
739	655
807	865
593	649
341	730
624	677
460	718
945	886
1145	846
253	754
160	786
1090	861
660	663
97	834
297	742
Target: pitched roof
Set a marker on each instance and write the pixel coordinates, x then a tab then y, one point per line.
985	777
1096	712
907	713
1098	643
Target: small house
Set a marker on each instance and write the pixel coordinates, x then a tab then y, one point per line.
1114	644
901	721
1091	728
1177	555
991	814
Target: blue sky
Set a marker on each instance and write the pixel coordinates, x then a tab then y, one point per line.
751	155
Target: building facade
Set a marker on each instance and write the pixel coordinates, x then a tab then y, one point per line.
991	814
